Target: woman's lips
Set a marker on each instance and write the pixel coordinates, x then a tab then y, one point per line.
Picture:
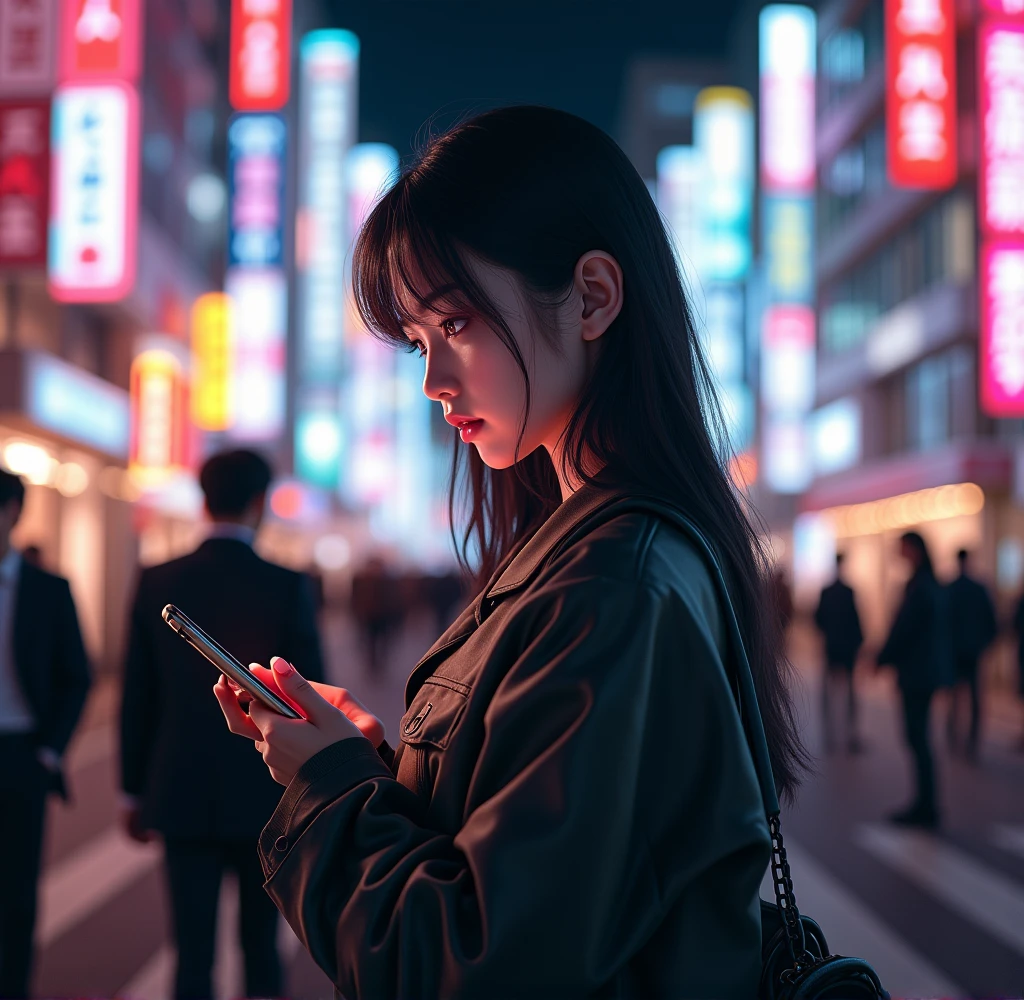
469	429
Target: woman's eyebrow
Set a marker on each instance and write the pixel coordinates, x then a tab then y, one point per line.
427	301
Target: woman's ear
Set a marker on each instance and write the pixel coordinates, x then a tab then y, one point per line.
598	281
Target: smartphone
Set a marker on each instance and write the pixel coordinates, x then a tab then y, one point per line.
225	662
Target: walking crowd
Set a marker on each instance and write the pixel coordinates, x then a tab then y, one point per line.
935	643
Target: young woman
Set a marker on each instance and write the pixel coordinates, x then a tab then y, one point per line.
572	809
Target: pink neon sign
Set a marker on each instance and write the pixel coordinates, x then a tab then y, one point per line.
1002	329
1001	93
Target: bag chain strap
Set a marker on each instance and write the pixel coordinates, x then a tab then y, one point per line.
785	899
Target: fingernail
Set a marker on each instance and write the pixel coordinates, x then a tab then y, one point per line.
253	666
280	665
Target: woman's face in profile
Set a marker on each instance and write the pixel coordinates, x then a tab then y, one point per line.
473	375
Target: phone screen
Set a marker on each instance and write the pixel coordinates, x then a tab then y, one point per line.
227	664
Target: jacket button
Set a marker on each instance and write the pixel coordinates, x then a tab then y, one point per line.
281	844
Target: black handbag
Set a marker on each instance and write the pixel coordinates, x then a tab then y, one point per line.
796	963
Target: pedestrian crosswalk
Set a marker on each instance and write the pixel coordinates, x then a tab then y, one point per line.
983	895
851	928
913	903
88	878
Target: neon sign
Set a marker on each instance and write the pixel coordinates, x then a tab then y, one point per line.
94	192
260	54
212	355
101	39
24	182
920	70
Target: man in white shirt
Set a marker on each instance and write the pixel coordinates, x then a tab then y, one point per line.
44	680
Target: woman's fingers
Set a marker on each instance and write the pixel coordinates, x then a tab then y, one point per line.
238	722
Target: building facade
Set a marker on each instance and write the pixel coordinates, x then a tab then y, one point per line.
898	438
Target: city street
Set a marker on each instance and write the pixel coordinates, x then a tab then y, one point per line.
937	915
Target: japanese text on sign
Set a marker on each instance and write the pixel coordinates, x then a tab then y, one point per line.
1001	71
24	182
1003	329
921	93
260	48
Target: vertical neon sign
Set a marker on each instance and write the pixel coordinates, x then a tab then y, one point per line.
920	92
787	36
329	67
1001	208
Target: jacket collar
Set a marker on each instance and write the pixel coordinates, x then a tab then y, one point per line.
564	520
521	565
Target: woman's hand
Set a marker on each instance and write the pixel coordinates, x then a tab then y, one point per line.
341	698
286	744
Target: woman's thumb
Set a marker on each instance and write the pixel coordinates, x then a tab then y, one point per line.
297	689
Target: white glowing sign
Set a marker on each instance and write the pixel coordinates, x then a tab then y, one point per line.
329	67
370	404
836	436
787	36
260	303
94	184
723	128
678	187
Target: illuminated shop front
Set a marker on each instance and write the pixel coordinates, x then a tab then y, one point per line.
66	433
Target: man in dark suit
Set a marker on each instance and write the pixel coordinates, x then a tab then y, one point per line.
44	680
972	620
183	774
836	616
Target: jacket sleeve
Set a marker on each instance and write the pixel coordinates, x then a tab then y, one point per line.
550	885
71	679
140	706
302	647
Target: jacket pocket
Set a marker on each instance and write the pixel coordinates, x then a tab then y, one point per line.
434	713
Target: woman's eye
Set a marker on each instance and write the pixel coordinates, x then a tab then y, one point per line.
452	327
418	348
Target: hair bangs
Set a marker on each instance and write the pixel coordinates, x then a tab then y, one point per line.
404	270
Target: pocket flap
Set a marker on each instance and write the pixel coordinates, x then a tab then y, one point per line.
433	715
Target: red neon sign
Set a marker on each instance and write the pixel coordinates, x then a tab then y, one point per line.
100	39
24	181
260	54
920	71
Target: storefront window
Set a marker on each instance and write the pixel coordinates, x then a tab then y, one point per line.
847	55
937	247
855	175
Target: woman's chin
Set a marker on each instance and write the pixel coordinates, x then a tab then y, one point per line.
494	458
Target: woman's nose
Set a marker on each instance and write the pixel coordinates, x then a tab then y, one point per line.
439	382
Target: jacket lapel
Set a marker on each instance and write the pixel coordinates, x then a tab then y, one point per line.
521	566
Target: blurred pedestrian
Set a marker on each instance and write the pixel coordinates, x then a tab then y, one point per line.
444	592
44	680
1018	625
972	620
374	605
182	775
919	648
782	595
836	616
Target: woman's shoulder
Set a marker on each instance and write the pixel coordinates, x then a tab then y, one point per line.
637	548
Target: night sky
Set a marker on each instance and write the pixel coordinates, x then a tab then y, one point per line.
424	60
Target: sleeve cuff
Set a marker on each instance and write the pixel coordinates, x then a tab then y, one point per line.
326	776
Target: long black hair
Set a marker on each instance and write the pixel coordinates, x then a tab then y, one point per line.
530	190
915	541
